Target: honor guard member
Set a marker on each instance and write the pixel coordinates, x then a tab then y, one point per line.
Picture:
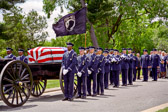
69	69
130	70
111	74
82	73
135	66
155	60
100	75
21	56
145	63
106	68
124	67
92	71
9	53
115	60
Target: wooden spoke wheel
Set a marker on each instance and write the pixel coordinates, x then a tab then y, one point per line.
38	87
15	83
61	78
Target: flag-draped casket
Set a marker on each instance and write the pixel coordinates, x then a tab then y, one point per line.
46	54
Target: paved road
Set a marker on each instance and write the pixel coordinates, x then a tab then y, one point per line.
140	96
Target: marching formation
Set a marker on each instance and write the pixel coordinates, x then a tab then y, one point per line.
97	68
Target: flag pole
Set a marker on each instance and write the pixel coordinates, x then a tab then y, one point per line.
85	40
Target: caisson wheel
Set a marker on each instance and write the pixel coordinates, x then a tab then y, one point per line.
15	83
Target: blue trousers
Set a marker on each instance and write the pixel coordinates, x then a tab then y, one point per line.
82	85
68	85
116	77
106	79
100	83
124	76
94	77
145	74
130	79
154	74
134	73
111	77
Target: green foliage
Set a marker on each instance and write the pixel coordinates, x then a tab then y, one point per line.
120	23
22	30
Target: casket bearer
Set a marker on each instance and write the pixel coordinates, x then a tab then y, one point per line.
116	67
106	68
124	67
82	72
92	71
100	69
69	69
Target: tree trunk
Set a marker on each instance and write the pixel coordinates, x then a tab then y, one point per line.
92	31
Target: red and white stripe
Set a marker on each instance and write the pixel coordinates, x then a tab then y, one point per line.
46	54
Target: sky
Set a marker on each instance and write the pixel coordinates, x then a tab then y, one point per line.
38	6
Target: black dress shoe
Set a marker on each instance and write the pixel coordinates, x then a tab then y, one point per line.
83	97
70	99
102	94
78	97
106	88
64	99
89	95
94	95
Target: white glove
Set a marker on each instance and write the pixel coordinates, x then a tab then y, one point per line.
65	71
113	60
89	72
79	74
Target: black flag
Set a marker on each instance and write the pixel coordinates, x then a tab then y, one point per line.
71	24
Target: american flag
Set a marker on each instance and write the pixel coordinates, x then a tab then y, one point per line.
46	54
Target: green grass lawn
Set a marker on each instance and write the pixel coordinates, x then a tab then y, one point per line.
53	83
163	110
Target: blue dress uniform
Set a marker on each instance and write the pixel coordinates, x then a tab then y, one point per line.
22	58
116	67
106	69
69	63
155	60
124	68
92	67
145	62
111	73
135	66
82	66
100	75
130	70
10	55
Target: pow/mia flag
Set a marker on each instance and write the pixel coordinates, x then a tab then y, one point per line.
71	24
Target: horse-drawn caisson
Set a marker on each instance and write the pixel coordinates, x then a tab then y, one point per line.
19	80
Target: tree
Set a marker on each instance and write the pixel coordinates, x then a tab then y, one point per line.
110	15
27	30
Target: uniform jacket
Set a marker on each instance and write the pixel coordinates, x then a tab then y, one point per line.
124	62
82	64
130	62
10	56
107	64
116	66
69	61
93	62
155	60
22	58
145	61
101	63
135	62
